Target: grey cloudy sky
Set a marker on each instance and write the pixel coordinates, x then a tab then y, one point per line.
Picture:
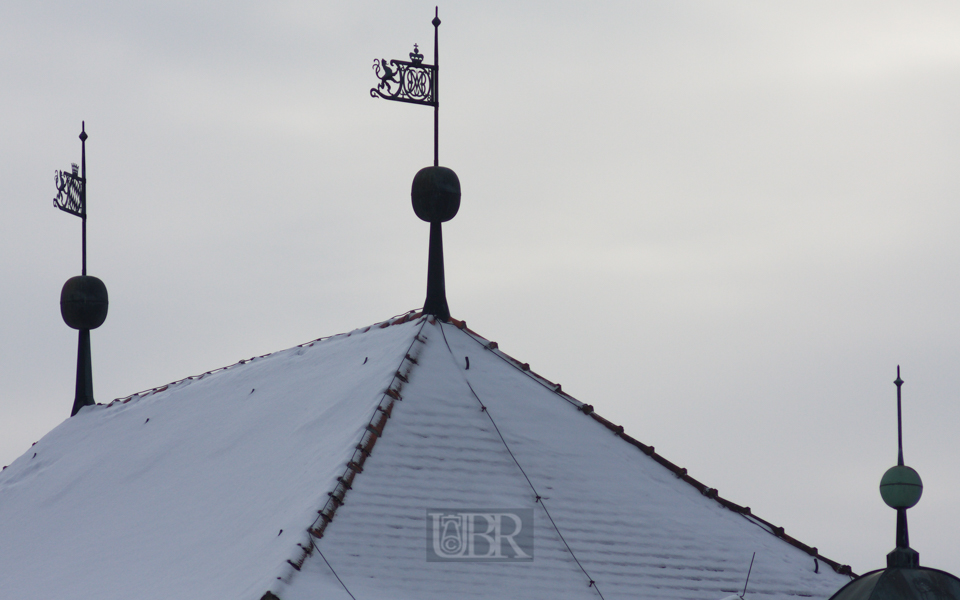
723	224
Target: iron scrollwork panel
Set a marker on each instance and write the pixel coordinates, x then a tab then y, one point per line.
404	81
69	192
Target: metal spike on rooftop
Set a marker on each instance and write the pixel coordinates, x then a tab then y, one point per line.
436	190
83	299
904	578
901	489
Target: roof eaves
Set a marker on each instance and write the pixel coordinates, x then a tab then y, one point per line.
680	472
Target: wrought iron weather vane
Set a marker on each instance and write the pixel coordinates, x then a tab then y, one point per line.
83	299
436	190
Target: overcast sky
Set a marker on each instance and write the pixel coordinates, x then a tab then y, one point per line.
723	224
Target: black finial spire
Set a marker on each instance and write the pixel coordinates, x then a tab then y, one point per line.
436	189
83	299
901	489
441	188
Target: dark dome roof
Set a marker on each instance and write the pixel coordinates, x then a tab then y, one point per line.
901	584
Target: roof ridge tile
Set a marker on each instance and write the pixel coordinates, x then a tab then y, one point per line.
371	433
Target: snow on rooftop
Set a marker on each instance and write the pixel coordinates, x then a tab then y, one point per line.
636	528
207	488
183	493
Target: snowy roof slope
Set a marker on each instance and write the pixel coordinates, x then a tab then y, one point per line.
183	492
634	528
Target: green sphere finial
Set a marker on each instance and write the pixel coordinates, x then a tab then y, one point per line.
901	487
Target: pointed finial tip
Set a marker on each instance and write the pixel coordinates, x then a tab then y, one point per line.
83	131
436	16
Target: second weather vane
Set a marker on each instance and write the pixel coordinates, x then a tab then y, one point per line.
83	299
72	192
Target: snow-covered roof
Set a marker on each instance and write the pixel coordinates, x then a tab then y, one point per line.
308	473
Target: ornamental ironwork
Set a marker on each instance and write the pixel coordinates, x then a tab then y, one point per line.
70	196
406	81
72	192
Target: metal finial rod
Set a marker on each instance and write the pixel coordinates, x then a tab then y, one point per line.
83	194
436	86
436	302
901	489
903	535
899	382
83	395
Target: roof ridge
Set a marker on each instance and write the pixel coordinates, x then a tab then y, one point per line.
395	320
373	431
680	472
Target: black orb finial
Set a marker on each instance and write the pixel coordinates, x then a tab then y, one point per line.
436	194
84	302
